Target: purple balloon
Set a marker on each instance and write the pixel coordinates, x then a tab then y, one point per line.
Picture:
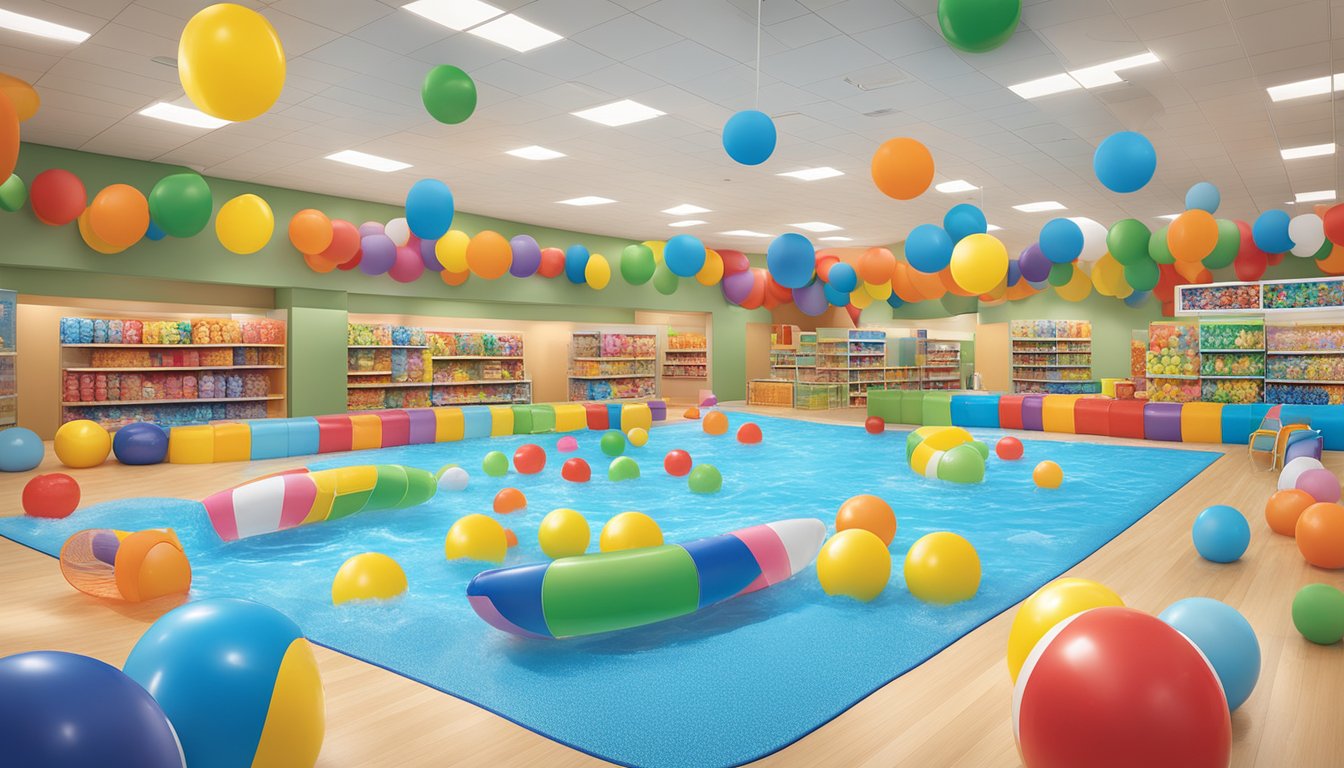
1033	264
1014	272
811	299
407	268
428	256
1320	484
380	253
370	228
737	286
526	256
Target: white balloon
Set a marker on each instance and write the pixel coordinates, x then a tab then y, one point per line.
1294	469
1094	239
453	479
1307	232
399	232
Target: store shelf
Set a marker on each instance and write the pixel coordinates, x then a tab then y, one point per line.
461	357
165	346
10	353
1220	376
671	351
479	382
1301	381
1219	351
1028	365
1051	338
619	376
391	385
1171	376
165	368
368	373
1058	381
942	378
178	401
692	378
387	346
1052	351
1305	352
613	358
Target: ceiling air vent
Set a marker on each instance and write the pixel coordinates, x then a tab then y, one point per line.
877	78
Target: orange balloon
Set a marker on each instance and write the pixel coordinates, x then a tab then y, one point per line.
489	255
310	231
715	423
869	513
945	277
21	96
902	168
151	564
509	500
1284	508
9	137
1188	269
318	263
510	538
1020	291
930	286
826	260
92	240
691	413
454	278
119	215
1334	263
1192	236
900	283
1320	535
876	266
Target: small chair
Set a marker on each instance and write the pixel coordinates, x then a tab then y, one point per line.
1268	444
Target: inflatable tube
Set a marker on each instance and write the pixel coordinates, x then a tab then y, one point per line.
607	591
119	565
299	497
946	453
1302	441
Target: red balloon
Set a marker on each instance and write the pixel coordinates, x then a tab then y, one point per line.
1114	687
1250	262
53	495
344	242
677	463
875	425
825	260
529	459
854	313
769	301
552	262
409	266
57	197
734	261
576	470
778	292
749	433
353	262
1334	224
756	297
1275	258
1008	448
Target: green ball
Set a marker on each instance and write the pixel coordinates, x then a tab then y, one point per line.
705	478
962	464
1127	241
623	468
637	264
1158	250
496	464
1142	275
181	204
1318	613
449	94
612	443
1229	242
1061	274
665	281
13	193
980	448
977	26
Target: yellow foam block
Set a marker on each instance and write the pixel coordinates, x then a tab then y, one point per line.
570	417
448	425
191	445
1057	413
1202	423
501	420
233	442
367	431
636	415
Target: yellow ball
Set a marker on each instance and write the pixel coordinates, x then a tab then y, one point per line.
942	568
81	444
476	537
638	436
369	576
1047	474
1048	606
245	224
629	530
231	62
854	562
564	533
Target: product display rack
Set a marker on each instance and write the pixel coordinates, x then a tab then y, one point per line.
1232	360
1173	362
9	357
857	359
1304	363
940	365
1052	357
686	356
612	365
795	363
430	368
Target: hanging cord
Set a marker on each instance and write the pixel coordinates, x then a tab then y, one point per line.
757	101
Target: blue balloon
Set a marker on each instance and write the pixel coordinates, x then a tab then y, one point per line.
1204	197
1270	232
1137	298
749	137
894	301
1221	534
1225	638
790	259
964	219
576	261
1125	161
842	277
429	209
1061	241
835	296
1014	272
140	443
928	248
684	255
153	232
20	450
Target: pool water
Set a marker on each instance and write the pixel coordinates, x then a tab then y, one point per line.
717	688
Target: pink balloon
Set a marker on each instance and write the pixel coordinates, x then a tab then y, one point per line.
566	444
1320	484
408	266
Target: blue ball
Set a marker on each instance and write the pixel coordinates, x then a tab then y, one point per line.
1204	197
1137	298
140	443
963	220
154	232
63	710
1270	232
684	255
20	450
894	301
835	296
576	262
928	248
1221	534
1014	273
842	277
1125	161
1225	637
749	137
429	209
1061	241
791	260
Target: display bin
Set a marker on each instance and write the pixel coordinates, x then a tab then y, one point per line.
597	416
522	419
1328	419
421	426
1033	416
191	445
1162	421
570	417
974	410
449	425
658	409
912	408
818	396
1057	413
334	433
543	419
1010	411
1127	419
886	405
1092	416
476	421
270	439
1202	423
304	436
233	442
936	409
769	392
396	428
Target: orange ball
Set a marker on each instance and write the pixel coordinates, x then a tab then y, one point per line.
1192	236
870	513
489	255
876	266
1284	508
691	413
509	500
749	433
1320	535
310	231
119	215
715	423
510	538
902	168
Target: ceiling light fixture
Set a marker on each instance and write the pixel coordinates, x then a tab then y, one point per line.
1087	77
836	239
687	223
42	28
1170	216
743	233
182	116
587	200
992	228
817	226
1313	150
1041	207
365	160
955	186
1315	197
618	113
814	174
535	152
454	14
1303	88
1045	86
515	32
685	209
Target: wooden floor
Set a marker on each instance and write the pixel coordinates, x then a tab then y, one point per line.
952	710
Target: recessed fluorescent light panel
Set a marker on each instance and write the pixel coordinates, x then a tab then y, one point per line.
1041	207
814	174
618	113
365	160
454	14
1170	216
817	226
1314	150
992	228
1315	197
953	187
1045	86
1094	76
40	27
535	152
687	223
685	209
1303	88
515	32
182	116
836	239
587	200
743	233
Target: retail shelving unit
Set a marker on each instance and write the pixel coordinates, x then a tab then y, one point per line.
1232	360
1052	357
427	368
9	357
686	356
606	365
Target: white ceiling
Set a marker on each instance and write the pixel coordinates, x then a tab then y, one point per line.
355	68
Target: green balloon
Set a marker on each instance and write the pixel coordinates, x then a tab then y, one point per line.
1142	275
665	280
637	264
1128	240
612	443
705	478
13	193
181	204
1321	253
495	464
1158	250
449	94
1225	250
1061	274
623	468
978	25
1318	613
962	464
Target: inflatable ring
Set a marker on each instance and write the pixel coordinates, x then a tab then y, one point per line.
946	453
119	565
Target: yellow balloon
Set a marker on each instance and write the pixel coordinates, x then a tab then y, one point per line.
368	576
245	224
855	563
476	537
82	444
1108	276
1048	606
879	291
942	568
231	62
712	272
979	262
564	533
629	530
91	238
597	272
1078	288
860	298
657	247
638	436
451	250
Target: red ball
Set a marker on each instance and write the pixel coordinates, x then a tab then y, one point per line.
1008	449
875	425
57	197
54	495
749	433
529	459
1114	687
677	463
576	470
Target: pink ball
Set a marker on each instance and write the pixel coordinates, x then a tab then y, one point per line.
1320	484
567	444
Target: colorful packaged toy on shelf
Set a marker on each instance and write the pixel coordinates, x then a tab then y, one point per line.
422	368
1249	390
612	366
1220	298
1052	356
1304	338
369	335
1234	336
1308	294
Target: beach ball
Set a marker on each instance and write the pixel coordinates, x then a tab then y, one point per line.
476	537
1321	484
977	26
509	500
1117	687
1008	448
237	680
1225	638
140	443
749	137
495	464
749	433
869	513
576	470
874	425
244	225
529	459
567	444
1221	534
623	468
612	442
1320	535
1294	469
20	450
1318	613
63	710
452	478
942	568
705	478
1048	606
51	495
1125	161
564	533
368	576
231	62
629	530
449	94
677	463
902	168
181	204
638	437
1283	509
1047	474
714	423
82	443
854	563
